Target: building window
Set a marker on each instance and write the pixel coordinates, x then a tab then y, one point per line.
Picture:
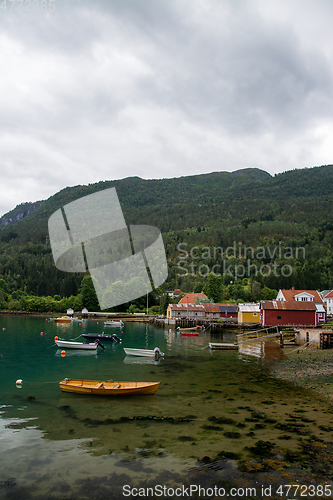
279	317
255	314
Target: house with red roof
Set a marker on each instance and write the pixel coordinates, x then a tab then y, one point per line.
288	313
305	296
193	298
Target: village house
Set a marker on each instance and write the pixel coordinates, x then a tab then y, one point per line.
288	313
182	311
328	300
193	298
212	311
222	310
173	293
248	313
305	296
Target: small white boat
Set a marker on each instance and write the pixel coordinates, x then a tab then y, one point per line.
68	344
152	353
111	322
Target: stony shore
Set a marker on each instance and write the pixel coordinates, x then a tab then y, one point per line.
307	367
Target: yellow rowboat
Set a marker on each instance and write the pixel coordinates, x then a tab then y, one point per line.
109	387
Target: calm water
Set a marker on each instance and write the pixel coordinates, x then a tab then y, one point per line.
57	445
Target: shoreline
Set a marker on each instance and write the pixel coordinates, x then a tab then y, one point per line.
310	368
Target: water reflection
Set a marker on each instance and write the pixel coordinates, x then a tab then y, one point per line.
266	350
76	352
138	360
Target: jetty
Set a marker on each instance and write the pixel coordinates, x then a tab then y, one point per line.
260	335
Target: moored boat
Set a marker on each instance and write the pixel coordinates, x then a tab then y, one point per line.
189	333
63	319
68	344
152	353
101	336
109	387
111	322
222	346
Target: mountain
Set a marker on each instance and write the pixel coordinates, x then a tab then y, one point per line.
19	212
248	206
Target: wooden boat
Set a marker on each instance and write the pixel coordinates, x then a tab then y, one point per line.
68	344
222	346
189	333
152	353
63	319
192	329
111	322
101	336
109	387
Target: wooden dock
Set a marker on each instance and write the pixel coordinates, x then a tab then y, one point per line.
260	335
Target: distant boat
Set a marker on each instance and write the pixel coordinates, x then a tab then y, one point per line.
109	387
68	344
111	322
101	336
152	353
222	346
189	333
63	319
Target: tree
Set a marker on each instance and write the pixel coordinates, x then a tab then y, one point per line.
256	290
213	287
88	294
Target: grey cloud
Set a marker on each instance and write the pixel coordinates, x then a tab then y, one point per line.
109	89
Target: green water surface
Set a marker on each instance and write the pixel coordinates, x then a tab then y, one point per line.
212	407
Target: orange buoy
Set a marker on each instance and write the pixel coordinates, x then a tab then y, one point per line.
42	334
56	337
63	353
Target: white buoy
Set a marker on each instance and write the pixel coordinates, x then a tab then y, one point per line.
19	381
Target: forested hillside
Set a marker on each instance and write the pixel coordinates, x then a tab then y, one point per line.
283	222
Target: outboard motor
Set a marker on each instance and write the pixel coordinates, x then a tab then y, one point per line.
97	342
115	338
158	352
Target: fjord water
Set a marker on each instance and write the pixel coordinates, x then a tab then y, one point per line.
54	441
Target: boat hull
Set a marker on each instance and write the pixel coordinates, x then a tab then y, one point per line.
100	336
190	333
64	319
109	387
76	345
140	352
113	323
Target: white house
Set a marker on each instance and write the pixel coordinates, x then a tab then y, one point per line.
328	299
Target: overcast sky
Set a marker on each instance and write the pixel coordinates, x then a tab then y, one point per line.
97	90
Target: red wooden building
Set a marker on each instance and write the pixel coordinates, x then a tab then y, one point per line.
288	313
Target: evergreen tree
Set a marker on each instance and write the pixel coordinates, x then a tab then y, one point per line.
88	294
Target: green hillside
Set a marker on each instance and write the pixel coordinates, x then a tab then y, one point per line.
287	216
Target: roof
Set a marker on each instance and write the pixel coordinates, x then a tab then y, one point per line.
249	308
231	308
186	307
290	295
291	305
329	294
211	308
192	297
